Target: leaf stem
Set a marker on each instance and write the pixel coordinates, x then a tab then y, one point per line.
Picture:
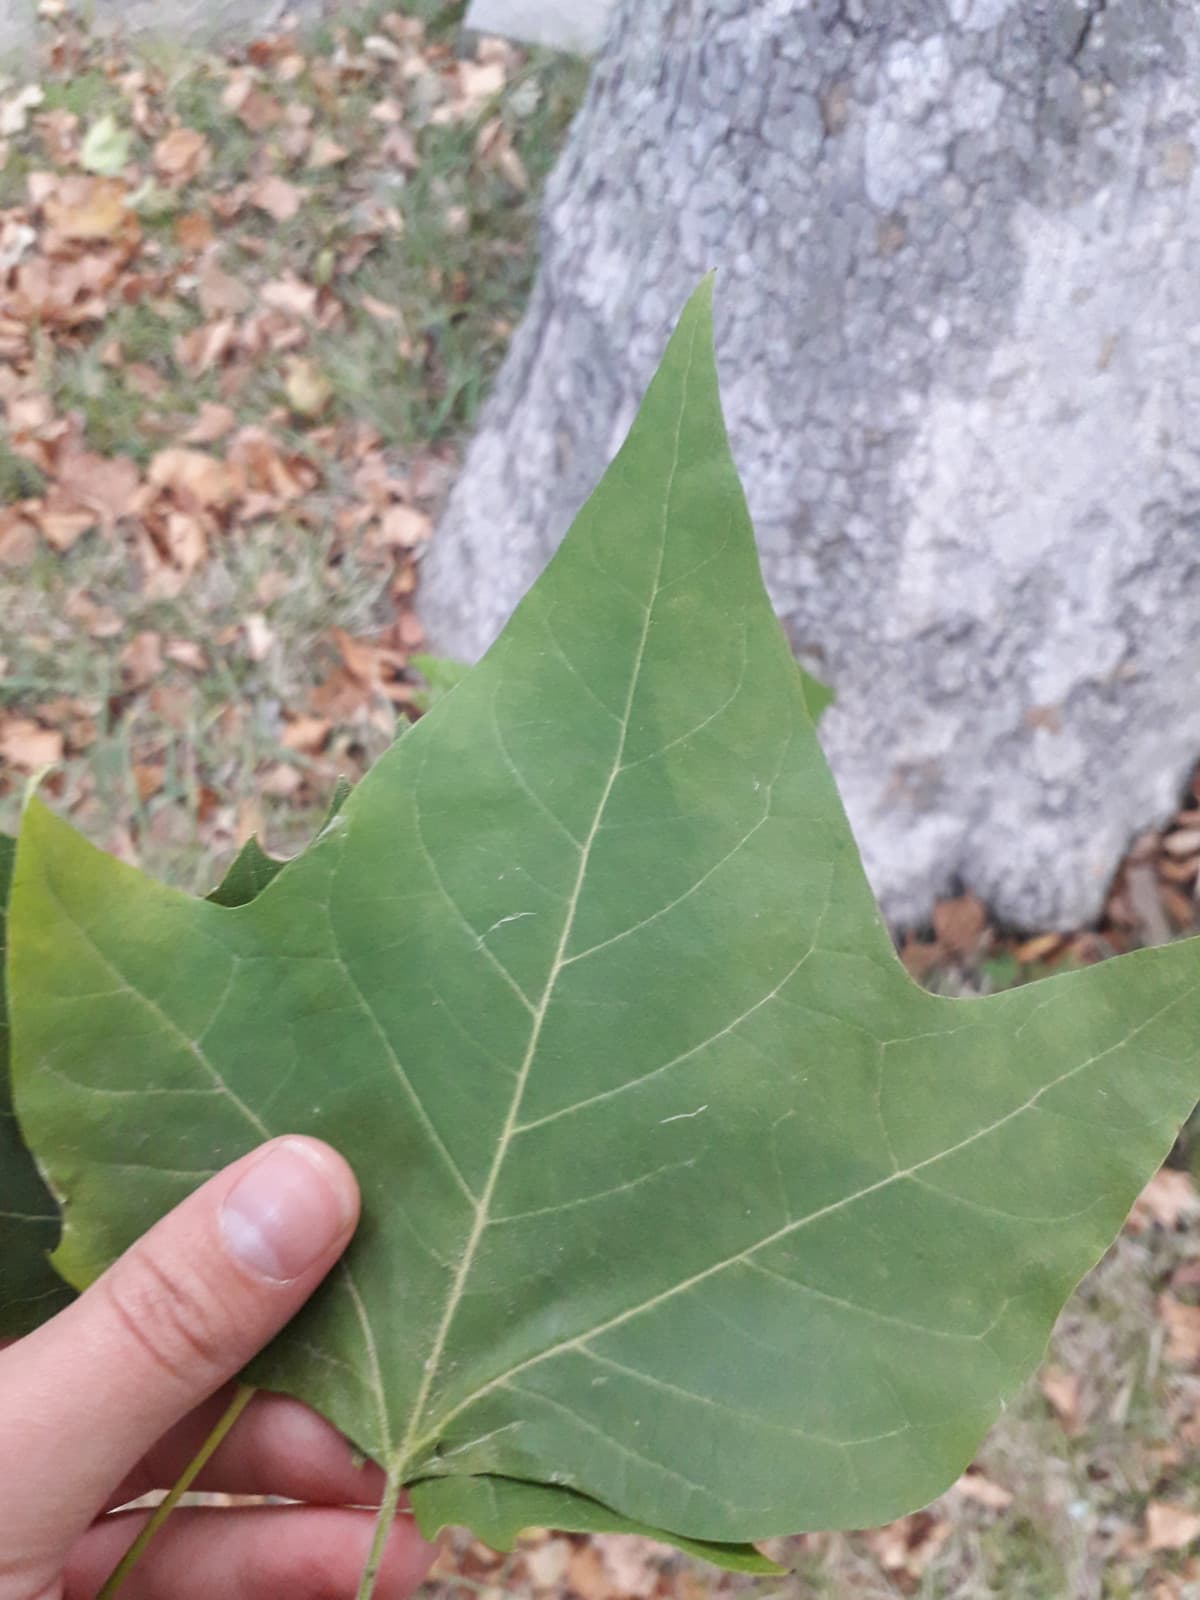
242	1398
383	1526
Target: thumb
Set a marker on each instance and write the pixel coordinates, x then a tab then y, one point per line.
84	1398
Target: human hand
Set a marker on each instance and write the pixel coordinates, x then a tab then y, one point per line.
114	1396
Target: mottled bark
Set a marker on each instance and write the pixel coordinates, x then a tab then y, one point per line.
959	338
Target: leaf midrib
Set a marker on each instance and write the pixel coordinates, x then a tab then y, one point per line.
482	1214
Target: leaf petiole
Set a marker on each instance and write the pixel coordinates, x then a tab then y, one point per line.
245	1393
383	1525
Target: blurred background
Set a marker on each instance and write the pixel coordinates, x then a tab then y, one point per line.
317	327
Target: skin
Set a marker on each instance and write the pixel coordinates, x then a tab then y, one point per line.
112	1398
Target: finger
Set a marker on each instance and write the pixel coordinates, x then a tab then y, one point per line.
278	1446
257	1553
88	1394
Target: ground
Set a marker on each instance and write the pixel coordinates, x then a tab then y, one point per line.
248	305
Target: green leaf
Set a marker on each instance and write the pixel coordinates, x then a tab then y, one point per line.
249	873
30	1289
500	1509
105	147
677	1192
441	674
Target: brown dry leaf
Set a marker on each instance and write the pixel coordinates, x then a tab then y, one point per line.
213	422
960	924
274	477
194	232
587	1576
28	746
306	735
63	521
404	527
291	295
1169	1199
633	1564
281	781
1182	1323
87	209
195	478
1039	948
180	156
219	292
974	1486
906	1547
207	346
1170	1526
326	152
185	540
141	660
1061	1390
18	538
105	485
185	653
277	197
259	635
148	778
253	107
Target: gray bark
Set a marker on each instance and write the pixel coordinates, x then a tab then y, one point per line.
959	340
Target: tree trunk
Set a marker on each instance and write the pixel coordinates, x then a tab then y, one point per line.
959	340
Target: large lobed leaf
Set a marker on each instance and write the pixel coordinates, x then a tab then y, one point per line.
679	1195
30	1289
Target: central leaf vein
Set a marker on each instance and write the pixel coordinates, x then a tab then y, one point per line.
483	1209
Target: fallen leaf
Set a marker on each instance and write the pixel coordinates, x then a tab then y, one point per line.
186	541
290	295
193	232
973	1485
192	476
15	109
105	148
105	485
281	781
326	152
1039	948
141	660
1169	1199
219	293
1061	1390
633	1564
253	107
307	735
277	197
1182	1323
180	156
148	779
259	635
1170	1526
185	653
960	924
63	521
87	209
28	746
405	527
213	422
307	388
